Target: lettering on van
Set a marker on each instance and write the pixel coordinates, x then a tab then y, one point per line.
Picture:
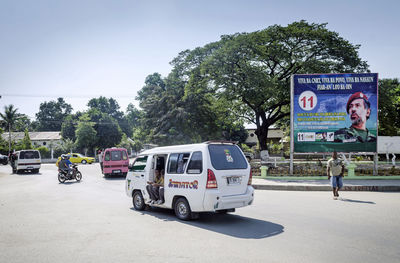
186	185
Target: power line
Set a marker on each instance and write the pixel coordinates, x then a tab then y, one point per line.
125	96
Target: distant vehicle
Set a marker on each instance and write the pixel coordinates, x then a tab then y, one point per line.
115	161
78	158
205	177
3	159
26	160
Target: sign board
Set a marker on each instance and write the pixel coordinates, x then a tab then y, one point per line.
389	144
335	112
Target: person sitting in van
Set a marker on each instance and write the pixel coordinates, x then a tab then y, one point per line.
161	199
65	163
154	187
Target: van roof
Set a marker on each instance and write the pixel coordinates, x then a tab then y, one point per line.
114	148
185	147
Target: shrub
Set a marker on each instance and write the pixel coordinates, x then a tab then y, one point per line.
44	152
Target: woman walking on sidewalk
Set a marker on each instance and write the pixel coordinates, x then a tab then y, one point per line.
335	170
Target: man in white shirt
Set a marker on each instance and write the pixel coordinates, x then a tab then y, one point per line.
335	170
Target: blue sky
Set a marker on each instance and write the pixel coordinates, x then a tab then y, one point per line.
84	49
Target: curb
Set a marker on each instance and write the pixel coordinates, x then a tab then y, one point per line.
356	188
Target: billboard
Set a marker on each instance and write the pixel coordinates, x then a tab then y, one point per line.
335	112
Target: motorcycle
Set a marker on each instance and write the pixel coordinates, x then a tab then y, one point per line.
73	174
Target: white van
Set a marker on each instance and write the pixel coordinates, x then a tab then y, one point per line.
26	160
211	176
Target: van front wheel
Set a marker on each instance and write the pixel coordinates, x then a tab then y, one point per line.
182	209
138	201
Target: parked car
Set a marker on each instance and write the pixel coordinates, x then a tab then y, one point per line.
26	160
3	159
78	158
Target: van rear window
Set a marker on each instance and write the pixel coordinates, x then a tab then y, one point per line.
29	155
116	155
226	157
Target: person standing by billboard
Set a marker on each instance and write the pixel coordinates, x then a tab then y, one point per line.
359	110
335	170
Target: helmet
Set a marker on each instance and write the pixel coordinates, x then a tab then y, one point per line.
358	95
63	156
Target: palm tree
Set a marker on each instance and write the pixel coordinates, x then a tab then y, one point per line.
10	117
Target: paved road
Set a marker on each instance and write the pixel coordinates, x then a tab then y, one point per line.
93	221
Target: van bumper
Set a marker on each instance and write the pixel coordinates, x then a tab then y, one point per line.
213	201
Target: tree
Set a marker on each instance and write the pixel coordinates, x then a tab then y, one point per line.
85	133
173	117
130	120
108	132
52	114
9	119
108	106
68	127
389	107
253	70
26	142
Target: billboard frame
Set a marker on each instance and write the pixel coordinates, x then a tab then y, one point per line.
375	154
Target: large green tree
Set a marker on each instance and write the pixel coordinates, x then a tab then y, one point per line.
389	107
173	117
52	114
108	106
252	70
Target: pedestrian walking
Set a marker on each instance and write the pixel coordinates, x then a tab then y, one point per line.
335	170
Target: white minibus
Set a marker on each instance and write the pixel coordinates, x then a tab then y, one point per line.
205	177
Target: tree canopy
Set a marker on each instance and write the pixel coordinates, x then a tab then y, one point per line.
252	71
52	114
389	107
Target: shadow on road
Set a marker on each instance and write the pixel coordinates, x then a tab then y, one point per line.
115	178
70	182
227	224
357	201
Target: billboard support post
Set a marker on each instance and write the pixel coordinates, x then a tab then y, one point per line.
291	125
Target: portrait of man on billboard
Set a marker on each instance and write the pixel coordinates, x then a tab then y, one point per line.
359	111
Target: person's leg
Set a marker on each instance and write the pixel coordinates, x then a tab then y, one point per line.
334	186
150	191
155	192
339	184
161	192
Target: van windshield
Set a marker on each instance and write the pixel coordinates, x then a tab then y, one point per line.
29	155
226	157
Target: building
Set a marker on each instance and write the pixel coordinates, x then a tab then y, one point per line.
274	134
48	139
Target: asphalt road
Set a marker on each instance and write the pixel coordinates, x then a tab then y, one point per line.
42	220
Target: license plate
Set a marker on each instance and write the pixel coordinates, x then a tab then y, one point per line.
234	180
116	171
29	168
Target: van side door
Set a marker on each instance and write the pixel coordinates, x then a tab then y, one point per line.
184	176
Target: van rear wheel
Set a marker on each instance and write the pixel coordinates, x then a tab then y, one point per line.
138	201
182	209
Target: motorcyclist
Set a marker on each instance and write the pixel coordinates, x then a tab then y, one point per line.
65	164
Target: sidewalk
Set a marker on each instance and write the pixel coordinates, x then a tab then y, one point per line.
319	183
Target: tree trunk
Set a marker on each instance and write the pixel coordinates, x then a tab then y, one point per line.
9	139
262	136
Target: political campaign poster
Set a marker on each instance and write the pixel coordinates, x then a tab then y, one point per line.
335	112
